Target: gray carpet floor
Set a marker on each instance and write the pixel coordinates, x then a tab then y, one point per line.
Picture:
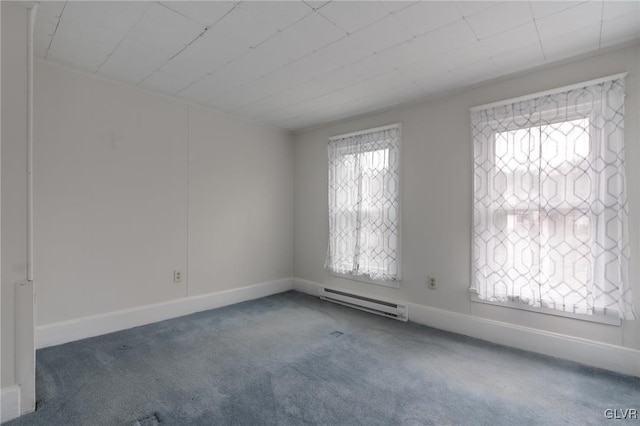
292	359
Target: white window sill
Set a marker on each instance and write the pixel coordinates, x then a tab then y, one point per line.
392	284
602	319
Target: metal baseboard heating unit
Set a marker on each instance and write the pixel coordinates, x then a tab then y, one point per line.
368	304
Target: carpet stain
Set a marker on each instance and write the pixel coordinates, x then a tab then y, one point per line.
150	420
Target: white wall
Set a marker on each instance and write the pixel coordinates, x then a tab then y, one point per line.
437	193
130	186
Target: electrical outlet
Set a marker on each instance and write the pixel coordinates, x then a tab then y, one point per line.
431	282
177	276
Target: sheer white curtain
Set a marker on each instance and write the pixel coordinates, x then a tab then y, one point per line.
550	205
364	179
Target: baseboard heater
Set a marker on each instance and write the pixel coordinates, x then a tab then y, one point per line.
368	304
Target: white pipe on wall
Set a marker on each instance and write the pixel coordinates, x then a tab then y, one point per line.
33	12
25	301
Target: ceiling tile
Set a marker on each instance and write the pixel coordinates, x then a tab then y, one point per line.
280	14
204	90
305	69
302	38
428	74
248	67
524	35
458	58
205	55
149	45
542	9
316	5
424	17
391	81
205	13
515	60
621	29
103	27
401	54
47	22
346	50
501	17
352	16
395	6
570	20
468	8
615	9
283	63
383	34
572	43
442	40
243	26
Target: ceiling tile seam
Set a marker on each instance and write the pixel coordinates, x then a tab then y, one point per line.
279	30
433	29
347	34
210	73
315	9
301	83
564	10
235	4
338	90
55	30
360	29
601	22
291	63
260	77
135	24
332	23
535	23
400	10
350	101
160	3
204	31
464	18
246	52
509	29
344	66
185	47
259	18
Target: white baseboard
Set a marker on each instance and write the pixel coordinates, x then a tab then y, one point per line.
95	325
306	286
9	403
597	354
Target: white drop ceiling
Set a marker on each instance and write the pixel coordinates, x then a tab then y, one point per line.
296	64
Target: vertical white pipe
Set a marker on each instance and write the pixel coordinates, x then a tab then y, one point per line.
33	12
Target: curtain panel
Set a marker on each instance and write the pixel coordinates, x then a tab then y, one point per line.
550	225
364	205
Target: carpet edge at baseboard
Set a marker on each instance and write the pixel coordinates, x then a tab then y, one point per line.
615	358
81	328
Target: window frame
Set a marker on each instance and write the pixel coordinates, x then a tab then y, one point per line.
365	278
610	316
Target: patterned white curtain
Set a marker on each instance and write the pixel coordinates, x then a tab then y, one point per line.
550	205
364	206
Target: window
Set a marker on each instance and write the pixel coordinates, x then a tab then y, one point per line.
364	205
550	207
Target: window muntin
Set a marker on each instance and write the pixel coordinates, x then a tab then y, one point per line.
528	171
